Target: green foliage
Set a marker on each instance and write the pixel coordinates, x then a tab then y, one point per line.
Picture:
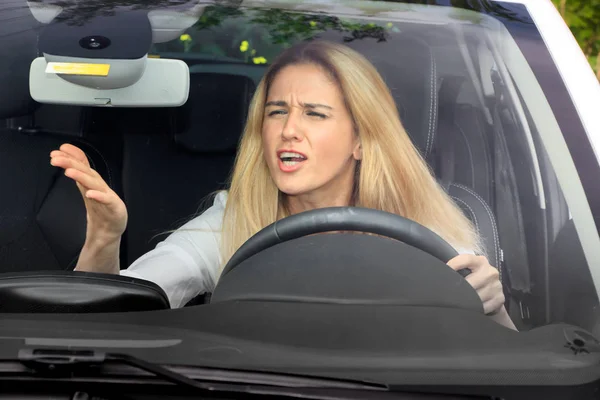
583	18
258	35
286	27
282	28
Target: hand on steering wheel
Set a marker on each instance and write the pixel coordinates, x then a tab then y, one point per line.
258	270
484	278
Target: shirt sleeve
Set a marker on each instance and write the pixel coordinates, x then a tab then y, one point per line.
187	262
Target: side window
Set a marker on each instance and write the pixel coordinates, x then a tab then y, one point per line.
544	179
494	138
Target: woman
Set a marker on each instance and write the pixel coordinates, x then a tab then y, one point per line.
322	131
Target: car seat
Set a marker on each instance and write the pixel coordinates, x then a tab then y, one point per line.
42	215
415	87
174	159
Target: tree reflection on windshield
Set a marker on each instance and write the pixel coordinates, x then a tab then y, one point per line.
257	35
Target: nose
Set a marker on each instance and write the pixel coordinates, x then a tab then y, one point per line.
291	129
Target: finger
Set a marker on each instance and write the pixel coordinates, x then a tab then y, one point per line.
490	292
99	196
483	278
461	261
76	152
58	153
61	160
494	305
70	162
86	180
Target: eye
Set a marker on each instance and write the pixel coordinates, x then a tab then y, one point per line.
316	114
276	112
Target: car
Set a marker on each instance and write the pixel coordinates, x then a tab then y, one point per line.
496	95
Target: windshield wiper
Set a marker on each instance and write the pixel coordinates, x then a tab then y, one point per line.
68	363
60	362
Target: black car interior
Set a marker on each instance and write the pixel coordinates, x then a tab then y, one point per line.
165	164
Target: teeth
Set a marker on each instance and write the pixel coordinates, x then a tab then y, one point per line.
287	154
290	163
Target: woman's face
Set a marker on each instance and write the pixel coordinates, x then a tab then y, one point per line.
308	137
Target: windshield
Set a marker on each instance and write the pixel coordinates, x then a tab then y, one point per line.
466	91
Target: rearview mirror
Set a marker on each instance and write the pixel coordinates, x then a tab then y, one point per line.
163	83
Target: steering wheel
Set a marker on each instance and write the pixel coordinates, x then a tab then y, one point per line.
403	264
356	219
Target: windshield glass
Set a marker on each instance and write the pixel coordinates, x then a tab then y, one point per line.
464	88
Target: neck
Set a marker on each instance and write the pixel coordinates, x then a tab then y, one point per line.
307	202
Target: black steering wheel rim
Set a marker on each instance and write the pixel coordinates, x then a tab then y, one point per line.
357	219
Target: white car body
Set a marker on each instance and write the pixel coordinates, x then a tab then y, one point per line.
572	64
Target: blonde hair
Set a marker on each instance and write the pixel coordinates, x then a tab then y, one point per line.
392	176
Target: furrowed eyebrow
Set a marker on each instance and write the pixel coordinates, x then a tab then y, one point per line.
316	105
281	103
276	103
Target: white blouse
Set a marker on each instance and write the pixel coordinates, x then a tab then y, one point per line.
187	263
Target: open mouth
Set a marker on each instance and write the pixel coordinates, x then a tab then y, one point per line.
290	159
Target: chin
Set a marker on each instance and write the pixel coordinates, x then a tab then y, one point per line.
291	189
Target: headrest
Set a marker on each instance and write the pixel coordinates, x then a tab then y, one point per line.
18	41
214	116
407	65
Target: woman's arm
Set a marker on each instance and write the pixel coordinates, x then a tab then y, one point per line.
187	262
106	213
99	256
